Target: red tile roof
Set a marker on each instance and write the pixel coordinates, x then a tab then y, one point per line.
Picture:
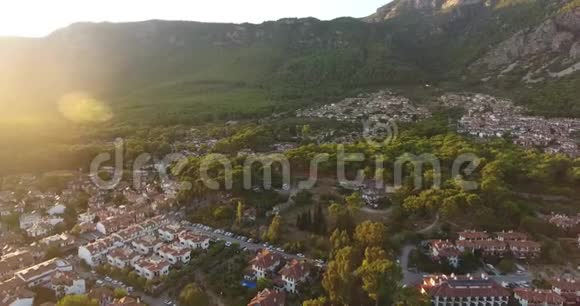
269	297
566	285
295	270
512	236
443	286
539	297
266	259
473	235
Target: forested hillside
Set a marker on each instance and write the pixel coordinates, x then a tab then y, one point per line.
168	72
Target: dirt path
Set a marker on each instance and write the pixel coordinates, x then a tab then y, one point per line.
430	227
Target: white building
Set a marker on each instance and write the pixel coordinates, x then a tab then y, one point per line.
94	253
57	209
122	258
42	273
150	268
67	283
169	232
128	234
147	245
175	254
28	220
193	241
264	262
293	274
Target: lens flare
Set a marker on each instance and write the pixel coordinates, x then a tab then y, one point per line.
81	107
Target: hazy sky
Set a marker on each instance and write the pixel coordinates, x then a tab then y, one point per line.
40	17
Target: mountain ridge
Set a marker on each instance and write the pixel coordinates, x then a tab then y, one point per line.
184	65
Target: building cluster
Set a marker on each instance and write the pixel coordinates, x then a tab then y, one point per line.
269	297
468	290
564	222
55	274
285	275
463	291
500	244
150	247
488	116
376	112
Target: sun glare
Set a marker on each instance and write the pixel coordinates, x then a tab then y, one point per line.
81	107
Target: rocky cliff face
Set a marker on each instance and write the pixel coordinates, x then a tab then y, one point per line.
399	7
551	49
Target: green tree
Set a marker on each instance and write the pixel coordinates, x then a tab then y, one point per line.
223	213
120	293
52	252
264	283
77	300
273	233
338	240
369	234
506	265
321	301
354	201
338	279
411	297
380	276
193	295
240	212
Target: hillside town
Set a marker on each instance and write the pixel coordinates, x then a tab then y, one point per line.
487	116
376	113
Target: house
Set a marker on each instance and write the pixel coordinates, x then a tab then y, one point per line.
88	216
193	241
57	209
463	291
122	258
294	273
169	232
525	249
13	262
40	229
28	220
444	250
62	241
511	236
151	268
473	235
175	253
128	234
94	253
568	289
103	295
147	244
150	226
563	221
488	247
14	293
534	297
67	283
269	297
43	272
114	223
264	262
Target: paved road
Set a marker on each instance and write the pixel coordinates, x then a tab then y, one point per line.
244	244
